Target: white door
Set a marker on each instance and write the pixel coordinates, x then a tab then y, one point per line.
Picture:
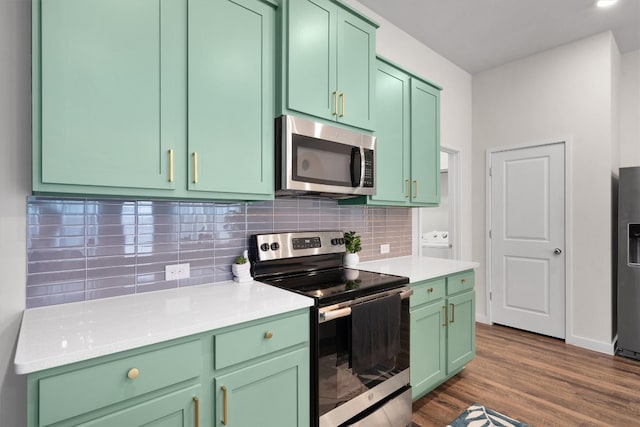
528	239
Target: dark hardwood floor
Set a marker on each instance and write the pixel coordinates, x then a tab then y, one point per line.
540	381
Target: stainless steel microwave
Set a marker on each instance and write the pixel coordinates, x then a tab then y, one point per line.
316	159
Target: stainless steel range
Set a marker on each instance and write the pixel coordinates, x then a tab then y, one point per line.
359	328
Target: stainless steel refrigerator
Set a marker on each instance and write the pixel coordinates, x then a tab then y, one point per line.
629	263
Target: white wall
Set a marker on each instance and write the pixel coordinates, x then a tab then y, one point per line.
630	109
15	183
563	93
455	105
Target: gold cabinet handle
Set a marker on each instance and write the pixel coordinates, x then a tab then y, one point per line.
430	290
453	313
335	102
133	373
224	405
268	335
446	316
171	165
464	280
196	401
195	167
342	96
406	194
415	189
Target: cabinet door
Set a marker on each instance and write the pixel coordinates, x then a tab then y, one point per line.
428	344
356	70
176	409
392	135
425	143
98	80
231	90
273	393
461	338
311	57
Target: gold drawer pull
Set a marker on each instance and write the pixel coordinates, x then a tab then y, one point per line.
224	405
446	316
171	165
133	373
197	410
342	112
268	335
406	194
430	290
195	167
415	189
464	280
335	102
453	313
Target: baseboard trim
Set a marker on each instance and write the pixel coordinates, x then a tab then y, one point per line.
482	318
589	344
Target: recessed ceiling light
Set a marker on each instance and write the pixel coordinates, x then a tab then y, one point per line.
606	3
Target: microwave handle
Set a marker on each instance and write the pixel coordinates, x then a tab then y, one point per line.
357	169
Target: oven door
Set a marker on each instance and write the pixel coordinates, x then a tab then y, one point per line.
320	158
349	388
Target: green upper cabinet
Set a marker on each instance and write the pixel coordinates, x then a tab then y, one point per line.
154	99
393	139
105	113
425	143
407	140
328	62
230	103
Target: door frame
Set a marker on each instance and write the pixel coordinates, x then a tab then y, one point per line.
454	207
568	224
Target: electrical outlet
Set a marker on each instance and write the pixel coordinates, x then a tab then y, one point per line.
385	248
177	271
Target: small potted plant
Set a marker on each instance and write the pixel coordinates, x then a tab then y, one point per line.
353	245
241	268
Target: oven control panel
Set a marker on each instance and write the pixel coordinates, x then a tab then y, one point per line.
306	242
289	245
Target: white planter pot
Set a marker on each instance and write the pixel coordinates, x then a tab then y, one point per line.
350	260
241	272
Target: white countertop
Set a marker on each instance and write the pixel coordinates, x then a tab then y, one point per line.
61	334
418	268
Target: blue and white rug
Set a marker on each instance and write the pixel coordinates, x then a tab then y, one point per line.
479	416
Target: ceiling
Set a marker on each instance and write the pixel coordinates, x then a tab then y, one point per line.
478	35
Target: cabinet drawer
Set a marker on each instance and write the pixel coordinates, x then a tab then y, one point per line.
425	292
459	282
75	392
254	341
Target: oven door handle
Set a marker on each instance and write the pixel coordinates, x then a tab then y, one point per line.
335	314
340	310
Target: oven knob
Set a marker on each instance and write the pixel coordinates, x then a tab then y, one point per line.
264	247
275	246
334	242
341	241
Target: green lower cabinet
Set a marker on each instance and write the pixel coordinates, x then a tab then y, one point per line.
428	348
272	393
178	409
180	382
442	330
461	339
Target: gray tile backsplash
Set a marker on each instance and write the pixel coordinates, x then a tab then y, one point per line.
81	249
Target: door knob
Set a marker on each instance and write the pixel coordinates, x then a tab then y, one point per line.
557	251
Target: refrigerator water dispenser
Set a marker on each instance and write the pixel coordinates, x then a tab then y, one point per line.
634	244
